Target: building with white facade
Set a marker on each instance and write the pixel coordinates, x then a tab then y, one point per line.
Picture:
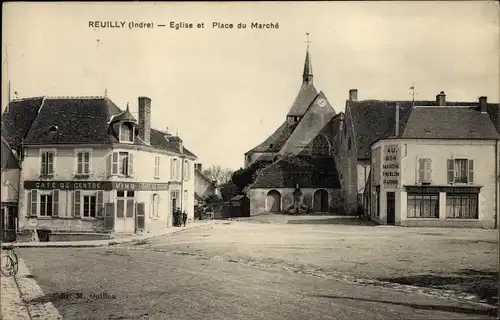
437	165
89	166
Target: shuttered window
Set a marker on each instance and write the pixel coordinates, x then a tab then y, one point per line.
76	203
55	199
157	167
460	171
424	170
83	162
34	204
47	163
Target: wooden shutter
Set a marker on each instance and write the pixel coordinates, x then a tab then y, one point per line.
79	161
43	164
28	203
86	162
428	170
171	168
76	203
130	164
109	219
100	203
108	165
130	208
114	169
421	170
451	171
55	203
34	199
471	172
50	162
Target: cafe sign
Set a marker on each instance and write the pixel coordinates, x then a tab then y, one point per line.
391	166
95	185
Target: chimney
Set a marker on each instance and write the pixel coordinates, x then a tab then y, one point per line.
353	95
441	99
199	167
145	119
483	104
397	120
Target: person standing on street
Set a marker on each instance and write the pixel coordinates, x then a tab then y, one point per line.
184	217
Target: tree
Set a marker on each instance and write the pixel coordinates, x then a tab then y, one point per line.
218	174
243	177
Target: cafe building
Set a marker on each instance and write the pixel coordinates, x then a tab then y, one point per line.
89	166
437	166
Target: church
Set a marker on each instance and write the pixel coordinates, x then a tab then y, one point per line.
297	164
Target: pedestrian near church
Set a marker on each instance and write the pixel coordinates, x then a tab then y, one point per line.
184	217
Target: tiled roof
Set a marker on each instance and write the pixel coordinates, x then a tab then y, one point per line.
274	142
449	123
375	119
203	176
313	172
9	159
79	120
301	103
17	119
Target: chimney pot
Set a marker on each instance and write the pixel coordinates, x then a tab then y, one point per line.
353	95
441	99
145	119
483	104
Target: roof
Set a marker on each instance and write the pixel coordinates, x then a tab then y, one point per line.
276	140
8	158
306	95
373	120
204	176
449	123
313	172
72	120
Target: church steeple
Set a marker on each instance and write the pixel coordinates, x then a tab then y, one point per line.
307	75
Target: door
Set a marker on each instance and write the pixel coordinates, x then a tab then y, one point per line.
109	217
139	217
320	201
391	208
174	208
273	201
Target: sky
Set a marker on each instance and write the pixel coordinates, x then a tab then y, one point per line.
226	90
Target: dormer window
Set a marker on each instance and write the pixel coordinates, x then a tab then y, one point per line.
126	132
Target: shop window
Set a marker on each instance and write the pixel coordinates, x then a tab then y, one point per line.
462	206
423	205
89	206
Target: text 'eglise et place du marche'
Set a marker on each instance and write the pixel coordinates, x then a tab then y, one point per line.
176	25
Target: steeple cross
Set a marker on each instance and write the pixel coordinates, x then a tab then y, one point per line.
308	41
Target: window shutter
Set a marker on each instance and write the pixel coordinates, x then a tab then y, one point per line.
130	208
50	163
55	203
428	170
100	203
86	162
130	164
28	204
171	168
34	199
43	164
421	170
471	172
451	171
115	163
79	162
108	165
76	203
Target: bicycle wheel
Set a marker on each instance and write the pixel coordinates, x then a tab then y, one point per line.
8	266
14	257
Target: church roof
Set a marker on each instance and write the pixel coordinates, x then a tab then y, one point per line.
310	172
306	95
275	141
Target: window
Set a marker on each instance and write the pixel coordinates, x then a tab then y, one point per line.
46	205
460	171
423	205
125	204
126	133
424	170
187	170
89	206
47	163
462	206
156	203
157	167
122	163
83	162
175	169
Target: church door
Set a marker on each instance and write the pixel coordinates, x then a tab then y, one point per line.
273	201
321	200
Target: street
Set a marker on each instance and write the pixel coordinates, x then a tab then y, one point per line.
161	279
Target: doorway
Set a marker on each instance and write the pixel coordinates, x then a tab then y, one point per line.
391	208
273	201
321	200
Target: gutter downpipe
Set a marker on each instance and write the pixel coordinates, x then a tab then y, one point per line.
497	202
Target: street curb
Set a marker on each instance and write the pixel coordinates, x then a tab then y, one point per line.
100	243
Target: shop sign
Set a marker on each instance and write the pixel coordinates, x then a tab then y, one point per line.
95	185
391	166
